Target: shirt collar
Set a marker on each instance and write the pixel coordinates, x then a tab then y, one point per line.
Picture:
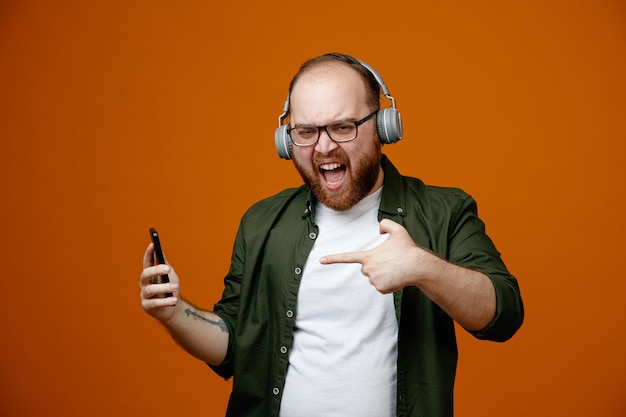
393	201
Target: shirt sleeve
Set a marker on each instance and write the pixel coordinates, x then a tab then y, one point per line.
228	306
470	247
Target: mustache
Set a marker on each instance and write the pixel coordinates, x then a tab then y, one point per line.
336	155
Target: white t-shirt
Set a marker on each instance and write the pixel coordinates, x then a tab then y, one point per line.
344	352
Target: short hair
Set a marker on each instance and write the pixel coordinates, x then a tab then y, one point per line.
371	83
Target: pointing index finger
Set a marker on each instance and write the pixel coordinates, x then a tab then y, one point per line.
342	258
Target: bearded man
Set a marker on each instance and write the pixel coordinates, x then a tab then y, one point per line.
342	293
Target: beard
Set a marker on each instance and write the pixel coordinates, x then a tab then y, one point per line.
360	180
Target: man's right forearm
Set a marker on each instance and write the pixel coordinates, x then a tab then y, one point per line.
201	333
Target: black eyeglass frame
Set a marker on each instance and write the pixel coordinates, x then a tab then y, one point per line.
320	128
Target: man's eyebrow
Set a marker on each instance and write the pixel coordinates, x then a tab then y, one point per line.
347	119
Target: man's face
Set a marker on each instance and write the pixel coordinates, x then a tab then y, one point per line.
339	174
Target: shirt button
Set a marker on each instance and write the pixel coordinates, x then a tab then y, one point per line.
283	349
289	313
298	270
275	391
399	210
312	235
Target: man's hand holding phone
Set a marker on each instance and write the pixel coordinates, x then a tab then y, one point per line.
158	282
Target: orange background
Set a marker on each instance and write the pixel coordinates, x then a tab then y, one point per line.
117	116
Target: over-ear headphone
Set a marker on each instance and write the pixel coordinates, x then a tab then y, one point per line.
388	121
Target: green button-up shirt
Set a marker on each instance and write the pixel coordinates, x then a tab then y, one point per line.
259	302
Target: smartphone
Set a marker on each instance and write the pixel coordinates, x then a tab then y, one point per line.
158	258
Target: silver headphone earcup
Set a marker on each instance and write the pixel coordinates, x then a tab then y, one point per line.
389	124
283	142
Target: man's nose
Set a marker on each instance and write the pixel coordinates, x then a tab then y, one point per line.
325	144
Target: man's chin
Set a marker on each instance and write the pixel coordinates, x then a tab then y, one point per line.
340	200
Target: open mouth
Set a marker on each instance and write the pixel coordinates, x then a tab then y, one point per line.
333	174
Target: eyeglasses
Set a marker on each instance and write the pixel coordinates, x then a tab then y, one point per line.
338	132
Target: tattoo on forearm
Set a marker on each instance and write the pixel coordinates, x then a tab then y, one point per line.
220	323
